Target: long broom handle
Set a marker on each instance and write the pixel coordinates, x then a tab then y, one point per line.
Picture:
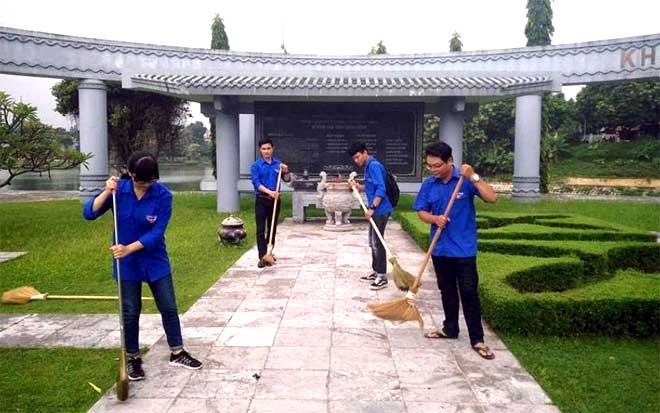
121	307
436	237
79	297
272	223
373	224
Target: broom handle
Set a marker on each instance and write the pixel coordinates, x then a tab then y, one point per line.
121	308
272	223
373	224
436	237
84	297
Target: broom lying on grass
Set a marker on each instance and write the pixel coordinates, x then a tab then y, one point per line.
24	295
402	278
404	309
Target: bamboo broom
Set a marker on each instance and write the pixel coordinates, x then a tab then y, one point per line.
404	309
402	278
269	259
25	294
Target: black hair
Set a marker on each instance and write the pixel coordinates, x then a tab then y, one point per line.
264	141
356	147
143	166
439	149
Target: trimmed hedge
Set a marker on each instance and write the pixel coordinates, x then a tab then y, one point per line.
552	281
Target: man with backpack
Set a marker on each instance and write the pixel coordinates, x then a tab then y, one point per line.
379	209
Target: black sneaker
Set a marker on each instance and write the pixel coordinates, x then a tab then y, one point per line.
134	368
379	284
371	277
184	359
261	264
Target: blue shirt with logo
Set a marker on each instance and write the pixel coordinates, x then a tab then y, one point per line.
459	237
374	186
264	173
143	220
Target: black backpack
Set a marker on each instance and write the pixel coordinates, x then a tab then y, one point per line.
391	188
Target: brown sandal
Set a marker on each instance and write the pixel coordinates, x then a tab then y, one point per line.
433	334
484	351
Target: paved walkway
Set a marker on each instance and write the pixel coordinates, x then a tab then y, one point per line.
295	338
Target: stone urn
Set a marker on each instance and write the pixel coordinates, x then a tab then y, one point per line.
231	230
337	200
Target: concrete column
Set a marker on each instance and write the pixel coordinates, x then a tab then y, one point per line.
452	116
227	158
527	149
93	102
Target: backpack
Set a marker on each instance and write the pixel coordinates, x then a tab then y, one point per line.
391	188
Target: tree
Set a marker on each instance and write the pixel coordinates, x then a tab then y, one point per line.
539	27
27	145
455	43
193	133
136	120
219	41
633	104
378	49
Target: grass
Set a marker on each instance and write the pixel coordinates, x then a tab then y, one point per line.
68	255
54	380
637	159
593	374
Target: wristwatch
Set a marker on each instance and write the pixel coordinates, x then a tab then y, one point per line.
475	178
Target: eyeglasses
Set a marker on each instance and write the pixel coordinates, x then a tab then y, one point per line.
435	165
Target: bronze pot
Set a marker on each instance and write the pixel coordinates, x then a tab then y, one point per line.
231	230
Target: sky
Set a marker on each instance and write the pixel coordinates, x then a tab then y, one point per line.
336	27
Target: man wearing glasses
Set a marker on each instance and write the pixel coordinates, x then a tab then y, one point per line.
454	256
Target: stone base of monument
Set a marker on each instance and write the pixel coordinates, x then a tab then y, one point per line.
340	223
208	182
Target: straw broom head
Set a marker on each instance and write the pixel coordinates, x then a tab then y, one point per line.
402	278
20	295
401	309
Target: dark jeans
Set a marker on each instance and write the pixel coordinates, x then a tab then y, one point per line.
460	275
163	292
378	255
263	212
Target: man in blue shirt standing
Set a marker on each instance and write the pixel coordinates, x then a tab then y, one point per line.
454	256
264	173
379	210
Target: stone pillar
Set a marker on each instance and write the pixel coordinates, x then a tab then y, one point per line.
93	102
527	149
227	155
452	116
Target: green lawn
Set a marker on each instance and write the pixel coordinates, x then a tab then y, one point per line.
68	255
54	380
593	374
639	159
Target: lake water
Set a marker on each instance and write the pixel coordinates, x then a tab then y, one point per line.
176	176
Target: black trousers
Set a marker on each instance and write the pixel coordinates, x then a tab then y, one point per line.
459	276
263	212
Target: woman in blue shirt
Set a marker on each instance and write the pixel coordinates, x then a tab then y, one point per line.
144	208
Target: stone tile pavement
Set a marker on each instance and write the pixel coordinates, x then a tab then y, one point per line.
295	338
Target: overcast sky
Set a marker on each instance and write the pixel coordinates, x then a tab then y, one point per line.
335	27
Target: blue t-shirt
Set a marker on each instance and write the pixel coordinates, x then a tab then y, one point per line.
264	173
143	220
374	186
459	237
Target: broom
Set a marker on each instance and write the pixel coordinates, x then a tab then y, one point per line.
402	278
404	309
269	259
23	295
122	374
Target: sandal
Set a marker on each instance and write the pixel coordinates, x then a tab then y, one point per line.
484	351
433	334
